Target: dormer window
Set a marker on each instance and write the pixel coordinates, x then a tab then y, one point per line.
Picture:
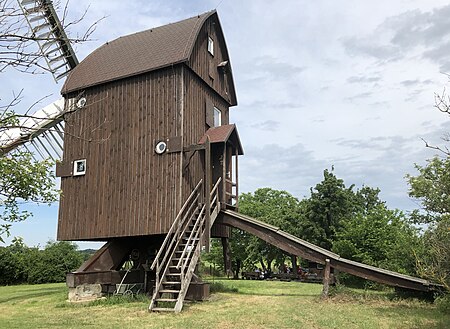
210	45
217	117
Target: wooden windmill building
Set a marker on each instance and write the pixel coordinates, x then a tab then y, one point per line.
147	130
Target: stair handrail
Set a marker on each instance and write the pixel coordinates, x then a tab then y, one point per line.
175	223
196	228
200	220
198	234
181	228
214	197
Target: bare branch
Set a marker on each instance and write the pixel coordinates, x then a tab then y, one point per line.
18	47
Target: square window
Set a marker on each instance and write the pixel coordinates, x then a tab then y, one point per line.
211	46
79	167
217	117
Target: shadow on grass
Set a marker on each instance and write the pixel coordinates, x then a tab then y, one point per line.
32	293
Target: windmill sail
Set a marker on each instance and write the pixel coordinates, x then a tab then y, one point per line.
42	133
44	130
47	30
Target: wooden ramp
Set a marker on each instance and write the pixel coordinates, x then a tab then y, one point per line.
309	251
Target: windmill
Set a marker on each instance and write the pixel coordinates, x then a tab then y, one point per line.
181	199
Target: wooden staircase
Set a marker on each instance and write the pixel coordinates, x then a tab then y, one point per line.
176	259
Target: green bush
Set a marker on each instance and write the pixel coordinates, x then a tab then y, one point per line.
443	303
22	264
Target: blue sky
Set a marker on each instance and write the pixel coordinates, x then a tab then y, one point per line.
348	84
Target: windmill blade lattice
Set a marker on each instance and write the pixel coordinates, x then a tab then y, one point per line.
41	133
48	32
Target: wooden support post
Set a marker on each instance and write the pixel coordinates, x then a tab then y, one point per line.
227	256
294	264
237	178
326	279
224	175
207	190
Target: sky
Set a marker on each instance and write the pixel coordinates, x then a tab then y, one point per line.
320	84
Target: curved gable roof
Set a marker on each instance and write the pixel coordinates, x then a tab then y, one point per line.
137	53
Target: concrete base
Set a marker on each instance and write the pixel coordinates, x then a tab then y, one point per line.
198	291
85	292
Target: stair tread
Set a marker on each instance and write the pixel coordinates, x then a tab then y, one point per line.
169	291
163	309
165	299
171	282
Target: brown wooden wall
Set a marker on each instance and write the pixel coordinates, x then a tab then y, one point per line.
205	64
128	190
197	94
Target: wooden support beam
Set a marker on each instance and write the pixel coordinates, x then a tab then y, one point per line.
294	264
194	147
207	190
326	279
237	177
227	256
224	174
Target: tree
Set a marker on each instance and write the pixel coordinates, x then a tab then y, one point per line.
379	237
54	262
23	179
434	261
278	208
22	264
329	204
432	188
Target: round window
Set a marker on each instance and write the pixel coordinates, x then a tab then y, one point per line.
161	147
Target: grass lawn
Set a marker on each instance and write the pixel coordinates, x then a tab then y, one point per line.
256	304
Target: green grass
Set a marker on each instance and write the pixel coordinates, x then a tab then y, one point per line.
236	304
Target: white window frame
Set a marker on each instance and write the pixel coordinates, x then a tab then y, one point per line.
217	117
76	171
210	45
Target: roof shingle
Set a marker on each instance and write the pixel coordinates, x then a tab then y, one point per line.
137	53
222	134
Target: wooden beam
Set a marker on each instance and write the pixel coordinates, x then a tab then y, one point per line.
237	178
207	190
194	147
226	256
224	175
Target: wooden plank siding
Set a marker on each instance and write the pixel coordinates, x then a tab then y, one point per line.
197	92
197	95
128	190
205	64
